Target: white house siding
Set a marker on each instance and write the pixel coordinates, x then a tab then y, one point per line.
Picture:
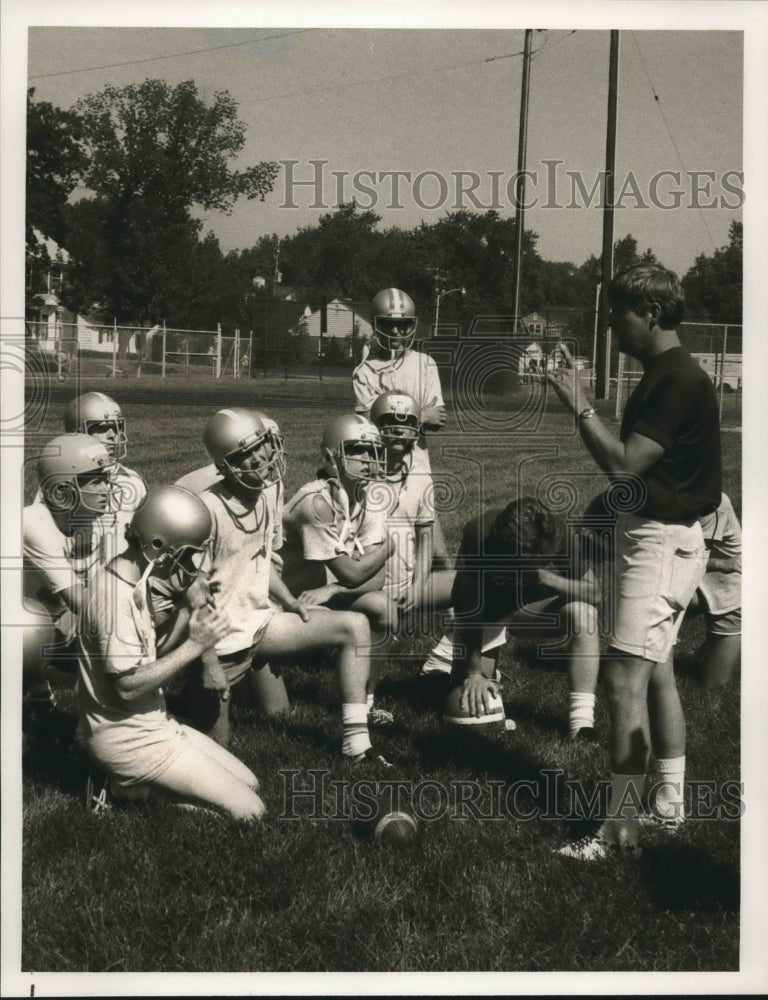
341	322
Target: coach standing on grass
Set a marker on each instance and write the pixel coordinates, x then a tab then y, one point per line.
668	450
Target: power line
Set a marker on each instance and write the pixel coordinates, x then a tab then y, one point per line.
382	79
172	55
657	101
548	44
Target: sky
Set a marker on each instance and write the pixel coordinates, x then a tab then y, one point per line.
437	104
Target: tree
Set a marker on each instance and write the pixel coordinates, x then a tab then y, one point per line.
713	286
55	161
155	153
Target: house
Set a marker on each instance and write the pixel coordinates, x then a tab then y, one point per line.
347	325
553	324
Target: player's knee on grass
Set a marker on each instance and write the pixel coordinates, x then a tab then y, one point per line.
268	691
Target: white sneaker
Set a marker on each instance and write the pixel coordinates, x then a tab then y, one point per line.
594	847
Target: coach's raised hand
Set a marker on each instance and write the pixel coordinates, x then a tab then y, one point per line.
566	383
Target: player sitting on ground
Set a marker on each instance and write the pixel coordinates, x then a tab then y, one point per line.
336	542
123	726
521	574
242	579
409	578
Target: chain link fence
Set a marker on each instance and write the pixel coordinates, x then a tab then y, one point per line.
290	340
717	347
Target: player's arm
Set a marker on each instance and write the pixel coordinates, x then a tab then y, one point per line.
174	629
354	573
433	413
636	455
472	669
433	416
586	589
423	562
475	670
282	595
206	628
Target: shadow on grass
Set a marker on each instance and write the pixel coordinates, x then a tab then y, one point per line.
49	755
684	877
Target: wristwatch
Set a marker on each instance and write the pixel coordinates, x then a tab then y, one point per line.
587	413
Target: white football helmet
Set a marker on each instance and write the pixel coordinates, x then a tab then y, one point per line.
393	315
352	437
172	529
396	415
233	434
86	413
67	460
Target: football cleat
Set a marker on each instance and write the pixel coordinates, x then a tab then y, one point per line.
593	847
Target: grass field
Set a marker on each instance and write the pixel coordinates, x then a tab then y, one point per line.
148	888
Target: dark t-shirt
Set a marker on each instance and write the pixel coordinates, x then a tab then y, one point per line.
492	583
675	405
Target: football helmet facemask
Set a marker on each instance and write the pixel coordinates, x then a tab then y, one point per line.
232	436
396	415
99	415
67	469
353	438
393	315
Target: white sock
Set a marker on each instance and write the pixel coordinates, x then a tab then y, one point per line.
621	826
355	738
667	791
582	711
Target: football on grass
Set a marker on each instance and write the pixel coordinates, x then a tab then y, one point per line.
383	821
394	829
454	715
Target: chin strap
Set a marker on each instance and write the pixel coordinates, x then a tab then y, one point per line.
140	595
347	531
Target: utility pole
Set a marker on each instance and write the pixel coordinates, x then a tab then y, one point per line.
603	373
522	144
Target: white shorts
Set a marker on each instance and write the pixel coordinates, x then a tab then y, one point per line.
138	749
657	570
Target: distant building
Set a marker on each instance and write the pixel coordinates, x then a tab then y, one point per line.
345	322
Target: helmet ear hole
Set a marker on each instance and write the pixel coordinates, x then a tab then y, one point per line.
156	543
